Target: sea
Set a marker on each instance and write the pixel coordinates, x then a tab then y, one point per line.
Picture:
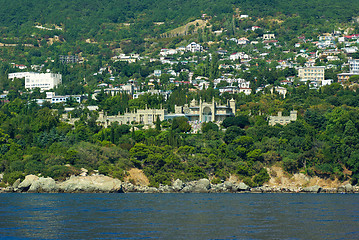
179	216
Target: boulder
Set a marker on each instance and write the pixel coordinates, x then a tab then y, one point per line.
8	189
151	190
94	183
128	187
346	188
41	185
228	185
243	187
218	188
312	189
202	186
187	189
84	172
165	189
25	185
16	183
177	185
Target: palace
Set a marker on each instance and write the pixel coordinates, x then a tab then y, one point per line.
195	112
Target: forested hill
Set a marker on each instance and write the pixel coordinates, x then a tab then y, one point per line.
90	18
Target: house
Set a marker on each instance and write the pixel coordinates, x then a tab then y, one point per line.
164	94
164	52
61	99
246	91
349	50
20	66
279	90
326	82
194	47
344	77
157	73
243	41
268	36
255	28
66	59
285	82
238	55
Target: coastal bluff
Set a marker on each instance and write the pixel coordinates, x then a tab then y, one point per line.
104	184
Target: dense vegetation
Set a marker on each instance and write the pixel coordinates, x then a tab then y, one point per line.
323	141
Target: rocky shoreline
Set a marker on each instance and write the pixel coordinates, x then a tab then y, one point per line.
104	184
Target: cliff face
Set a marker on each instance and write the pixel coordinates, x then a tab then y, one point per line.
281	179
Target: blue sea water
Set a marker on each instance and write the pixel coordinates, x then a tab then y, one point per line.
179	216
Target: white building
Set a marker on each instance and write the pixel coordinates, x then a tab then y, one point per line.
238	55
268	36
44	81
354	66
243	41
19	75
194	47
60	99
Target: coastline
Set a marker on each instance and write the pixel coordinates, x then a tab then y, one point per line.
104	184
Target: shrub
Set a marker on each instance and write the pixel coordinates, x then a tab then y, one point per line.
261	177
12	177
60	173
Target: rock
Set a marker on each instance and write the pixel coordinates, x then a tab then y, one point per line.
16	183
187	189
348	188
1	176
312	189
129	187
95	183
257	190
41	185
243	187
202	186
84	172
228	185
218	188
151	190
25	185
9	189
165	189
177	185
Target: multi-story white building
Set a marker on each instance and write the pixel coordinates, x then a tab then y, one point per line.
354	66
311	73
19	75
194	47
44	81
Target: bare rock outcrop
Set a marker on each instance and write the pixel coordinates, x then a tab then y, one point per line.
25	185
95	183
42	185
